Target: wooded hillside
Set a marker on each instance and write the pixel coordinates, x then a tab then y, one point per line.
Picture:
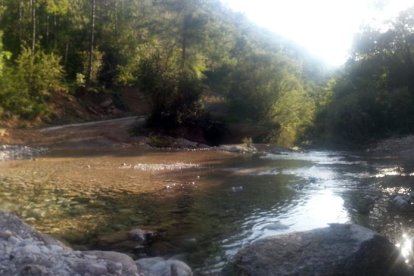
174	51
180	53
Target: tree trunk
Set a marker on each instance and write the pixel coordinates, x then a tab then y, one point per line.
47	30
66	54
91	43
183	47
33	6
20	21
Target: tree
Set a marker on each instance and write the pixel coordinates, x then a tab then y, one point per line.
374	95
33	9
91	43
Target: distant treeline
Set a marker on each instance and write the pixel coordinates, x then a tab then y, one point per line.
178	51
373	95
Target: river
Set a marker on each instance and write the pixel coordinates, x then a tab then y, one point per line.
204	205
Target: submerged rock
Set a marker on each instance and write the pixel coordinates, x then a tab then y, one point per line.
24	251
340	249
135	242
401	202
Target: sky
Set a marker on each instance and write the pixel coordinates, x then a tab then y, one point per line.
326	28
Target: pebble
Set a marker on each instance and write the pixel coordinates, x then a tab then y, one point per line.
13	240
237	189
5	235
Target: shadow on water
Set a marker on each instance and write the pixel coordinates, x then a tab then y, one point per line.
205	214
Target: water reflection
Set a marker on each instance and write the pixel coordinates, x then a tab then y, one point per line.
316	211
320	210
406	247
393	171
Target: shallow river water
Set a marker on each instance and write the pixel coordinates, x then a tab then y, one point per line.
205	206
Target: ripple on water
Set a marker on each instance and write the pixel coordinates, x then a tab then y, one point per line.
318	157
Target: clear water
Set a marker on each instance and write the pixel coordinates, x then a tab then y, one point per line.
206	205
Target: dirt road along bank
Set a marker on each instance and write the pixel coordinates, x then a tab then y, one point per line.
91	134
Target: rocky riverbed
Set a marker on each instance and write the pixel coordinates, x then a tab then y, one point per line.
340	249
28	252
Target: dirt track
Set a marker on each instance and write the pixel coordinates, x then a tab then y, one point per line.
92	134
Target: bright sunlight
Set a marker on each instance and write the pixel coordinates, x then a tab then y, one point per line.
325	28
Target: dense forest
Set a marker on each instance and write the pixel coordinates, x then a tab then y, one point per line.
182	53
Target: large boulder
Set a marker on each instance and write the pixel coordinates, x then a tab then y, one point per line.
24	251
340	249
159	267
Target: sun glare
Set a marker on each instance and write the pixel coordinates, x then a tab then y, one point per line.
325	28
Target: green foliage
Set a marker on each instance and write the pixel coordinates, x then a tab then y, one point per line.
4	55
160	141
96	66
57	6
26	86
174	94
294	111
373	97
247	141
172	50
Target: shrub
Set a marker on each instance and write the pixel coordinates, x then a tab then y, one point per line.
160	141
26	86
247	141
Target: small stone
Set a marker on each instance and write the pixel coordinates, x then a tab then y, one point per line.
92	257
56	248
33	270
97	269
44	249
141	236
13	240
31	249
5	235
